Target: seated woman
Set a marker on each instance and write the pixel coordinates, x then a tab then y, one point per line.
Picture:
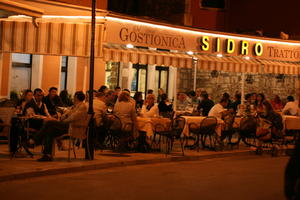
164	106
125	110
275	118
138	97
28	96
150	109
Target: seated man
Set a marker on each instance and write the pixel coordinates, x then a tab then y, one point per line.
52	101
52	128
100	110
36	107
182	102
291	107
218	109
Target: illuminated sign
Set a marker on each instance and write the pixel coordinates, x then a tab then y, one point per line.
230	46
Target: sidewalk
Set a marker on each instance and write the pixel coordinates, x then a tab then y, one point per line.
23	166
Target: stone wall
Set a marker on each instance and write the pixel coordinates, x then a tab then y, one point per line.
220	82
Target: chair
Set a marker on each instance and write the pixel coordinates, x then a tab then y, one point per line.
228	131
248	126
6	114
113	128
84	128
208	129
171	133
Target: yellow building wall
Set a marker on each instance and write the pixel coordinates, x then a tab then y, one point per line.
51	72
83	74
6	59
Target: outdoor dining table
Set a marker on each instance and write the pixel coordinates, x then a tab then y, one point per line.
147	124
291	122
197	120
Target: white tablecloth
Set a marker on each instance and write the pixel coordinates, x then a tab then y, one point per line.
197	120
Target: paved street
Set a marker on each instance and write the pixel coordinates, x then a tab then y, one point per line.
247	177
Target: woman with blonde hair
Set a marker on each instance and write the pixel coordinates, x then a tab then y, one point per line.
150	108
125	110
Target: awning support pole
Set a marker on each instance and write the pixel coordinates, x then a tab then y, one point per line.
243	89
195	62
89	147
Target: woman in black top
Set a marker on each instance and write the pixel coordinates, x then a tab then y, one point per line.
163	107
138	97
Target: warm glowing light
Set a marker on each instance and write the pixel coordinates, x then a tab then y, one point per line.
173	28
129	46
247	57
190	53
219	55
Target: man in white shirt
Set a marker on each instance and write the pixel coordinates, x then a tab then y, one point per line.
291	107
218	109
99	108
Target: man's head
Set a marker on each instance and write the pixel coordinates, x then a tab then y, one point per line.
224	102
117	90
181	96
52	92
79	97
38	94
204	95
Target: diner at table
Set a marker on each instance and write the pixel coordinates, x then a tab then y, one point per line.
145	118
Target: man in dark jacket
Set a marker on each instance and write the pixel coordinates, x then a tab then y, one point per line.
205	104
52	101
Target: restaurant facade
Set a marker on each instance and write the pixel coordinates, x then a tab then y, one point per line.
52	49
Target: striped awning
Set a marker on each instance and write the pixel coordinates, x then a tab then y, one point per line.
278	67
228	64
49	37
146	56
8	8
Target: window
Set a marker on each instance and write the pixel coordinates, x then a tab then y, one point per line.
21	72
112	74
139	79
161	79
219	4
64	73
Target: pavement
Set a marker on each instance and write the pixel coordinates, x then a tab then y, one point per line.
244	177
22	166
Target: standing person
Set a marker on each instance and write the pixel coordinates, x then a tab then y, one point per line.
205	104
110	98
53	128
138	97
65	98
150	109
259	102
218	109
52	101
291	107
277	103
